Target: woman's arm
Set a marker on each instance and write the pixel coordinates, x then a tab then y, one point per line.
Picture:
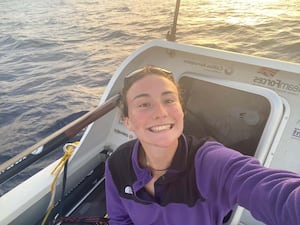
272	196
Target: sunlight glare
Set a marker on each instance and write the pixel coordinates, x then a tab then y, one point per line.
249	12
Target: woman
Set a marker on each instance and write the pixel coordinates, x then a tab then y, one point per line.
165	177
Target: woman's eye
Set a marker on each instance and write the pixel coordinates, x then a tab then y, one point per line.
169	101
144	105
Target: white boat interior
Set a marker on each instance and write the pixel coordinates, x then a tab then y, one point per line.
250	104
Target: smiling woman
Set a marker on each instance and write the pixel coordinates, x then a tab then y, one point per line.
165	173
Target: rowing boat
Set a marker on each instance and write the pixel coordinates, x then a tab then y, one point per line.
248	103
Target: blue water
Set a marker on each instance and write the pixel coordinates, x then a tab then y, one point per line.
57	56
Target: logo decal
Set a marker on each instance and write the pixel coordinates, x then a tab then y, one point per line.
296	132
128	190
212	67
38	150
268	72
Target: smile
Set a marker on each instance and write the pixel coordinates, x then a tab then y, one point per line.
161	128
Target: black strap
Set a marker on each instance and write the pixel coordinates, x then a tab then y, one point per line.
82	220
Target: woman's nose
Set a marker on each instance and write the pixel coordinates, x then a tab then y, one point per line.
159	111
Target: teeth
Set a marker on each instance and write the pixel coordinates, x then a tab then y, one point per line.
160	128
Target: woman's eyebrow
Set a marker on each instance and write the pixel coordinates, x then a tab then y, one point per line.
142	95
169	93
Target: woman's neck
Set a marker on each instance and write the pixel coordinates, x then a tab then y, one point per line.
157	159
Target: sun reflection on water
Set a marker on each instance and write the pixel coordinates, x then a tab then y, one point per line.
243	12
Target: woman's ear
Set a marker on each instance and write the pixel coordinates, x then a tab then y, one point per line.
127	123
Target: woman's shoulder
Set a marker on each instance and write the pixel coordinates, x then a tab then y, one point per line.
122	153
120	164
195	143
210	148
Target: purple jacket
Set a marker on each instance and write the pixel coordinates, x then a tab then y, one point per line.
203	184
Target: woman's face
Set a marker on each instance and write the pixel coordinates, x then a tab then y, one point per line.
154	111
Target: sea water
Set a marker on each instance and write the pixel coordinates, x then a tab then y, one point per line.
57	56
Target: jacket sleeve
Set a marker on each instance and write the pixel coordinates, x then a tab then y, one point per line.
228	177
116	212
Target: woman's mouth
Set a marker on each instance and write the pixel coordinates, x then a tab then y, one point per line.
161	128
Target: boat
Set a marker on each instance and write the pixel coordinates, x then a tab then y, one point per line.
250	104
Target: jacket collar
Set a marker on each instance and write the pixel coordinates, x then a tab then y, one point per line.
178	164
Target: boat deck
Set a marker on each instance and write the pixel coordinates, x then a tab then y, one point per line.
87	200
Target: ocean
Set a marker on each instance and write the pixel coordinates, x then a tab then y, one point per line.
57	56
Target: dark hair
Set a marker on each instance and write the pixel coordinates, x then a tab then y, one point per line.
138	74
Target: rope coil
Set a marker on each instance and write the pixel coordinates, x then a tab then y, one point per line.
68	151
